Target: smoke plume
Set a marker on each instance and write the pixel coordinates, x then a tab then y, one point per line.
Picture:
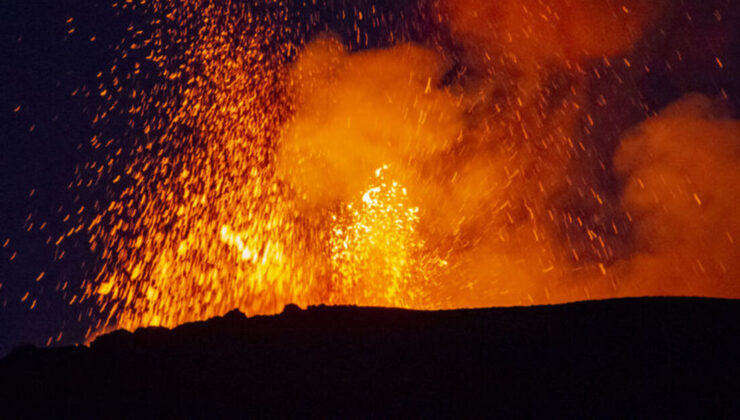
485	140
358	112
535	31
682	175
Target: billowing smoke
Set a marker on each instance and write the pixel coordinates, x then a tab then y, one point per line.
682	178
358	112
486	142
535	31
480	190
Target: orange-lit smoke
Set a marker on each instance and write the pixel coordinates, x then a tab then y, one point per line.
480	186
358	112
682	175
535	31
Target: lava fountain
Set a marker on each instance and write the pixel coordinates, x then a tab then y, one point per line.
437	155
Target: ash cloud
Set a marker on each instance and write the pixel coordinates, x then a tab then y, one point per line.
487	140
535	30
358	112
681	171
480	172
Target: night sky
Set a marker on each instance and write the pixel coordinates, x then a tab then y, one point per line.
52	48
42	125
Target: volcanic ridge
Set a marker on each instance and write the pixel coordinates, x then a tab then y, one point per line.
646	356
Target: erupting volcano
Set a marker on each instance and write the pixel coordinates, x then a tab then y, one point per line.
369	208
425	154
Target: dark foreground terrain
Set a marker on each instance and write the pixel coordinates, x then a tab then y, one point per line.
649	357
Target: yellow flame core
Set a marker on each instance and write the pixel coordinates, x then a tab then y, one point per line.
375	247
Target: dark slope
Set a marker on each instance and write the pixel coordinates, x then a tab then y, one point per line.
664	356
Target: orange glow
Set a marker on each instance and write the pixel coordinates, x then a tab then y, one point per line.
265	169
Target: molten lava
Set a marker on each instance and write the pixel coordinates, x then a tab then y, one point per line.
377	253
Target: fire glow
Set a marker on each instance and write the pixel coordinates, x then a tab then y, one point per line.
266	166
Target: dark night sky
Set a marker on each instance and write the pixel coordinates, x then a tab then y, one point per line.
42	64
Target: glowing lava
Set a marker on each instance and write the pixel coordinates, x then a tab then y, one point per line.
377	253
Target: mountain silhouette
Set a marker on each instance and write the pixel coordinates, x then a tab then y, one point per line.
652	357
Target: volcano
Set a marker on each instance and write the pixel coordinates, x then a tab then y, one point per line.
663	357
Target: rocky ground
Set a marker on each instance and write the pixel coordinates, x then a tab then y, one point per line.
664	357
